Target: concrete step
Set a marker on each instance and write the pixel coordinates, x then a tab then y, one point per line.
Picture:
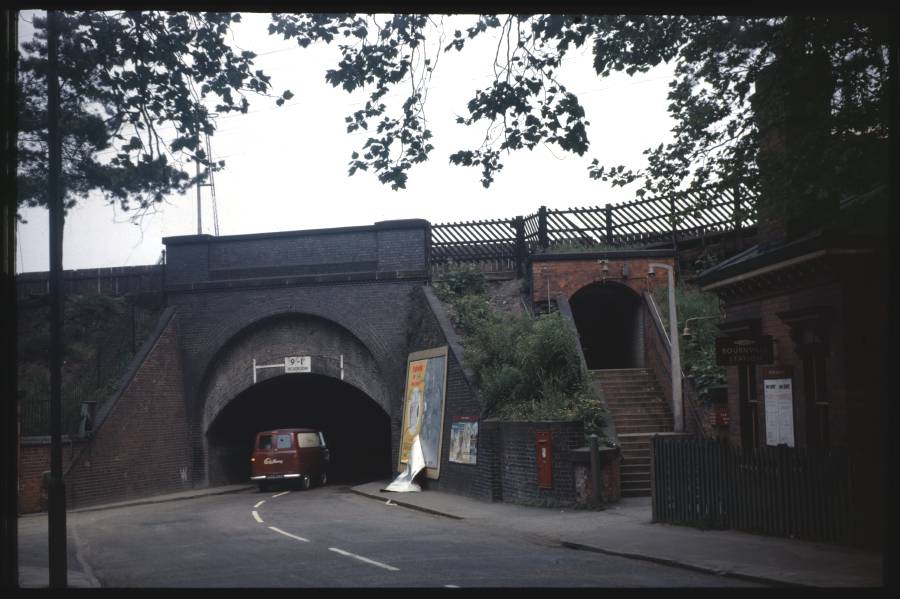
652	425
636	405
615	371
641	416
661	421
629	400
634	465
642	429
629	386
636	392
639	411
628	389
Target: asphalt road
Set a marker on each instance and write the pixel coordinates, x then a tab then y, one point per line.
331	537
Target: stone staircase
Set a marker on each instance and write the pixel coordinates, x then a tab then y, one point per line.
640	411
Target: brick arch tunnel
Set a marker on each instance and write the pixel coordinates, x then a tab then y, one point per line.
350	405
609	321
356	429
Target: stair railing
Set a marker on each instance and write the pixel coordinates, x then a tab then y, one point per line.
664	346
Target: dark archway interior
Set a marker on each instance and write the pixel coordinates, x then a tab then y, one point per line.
357	430
606	316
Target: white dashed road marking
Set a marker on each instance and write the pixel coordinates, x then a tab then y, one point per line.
287	534
335	549
363	559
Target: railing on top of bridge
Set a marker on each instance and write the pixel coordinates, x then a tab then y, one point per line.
505	243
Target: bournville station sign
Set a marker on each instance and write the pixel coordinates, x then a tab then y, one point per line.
731	351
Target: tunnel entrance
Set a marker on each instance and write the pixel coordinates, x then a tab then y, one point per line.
357	430
608	319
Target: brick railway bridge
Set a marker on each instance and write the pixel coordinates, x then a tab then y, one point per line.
357	301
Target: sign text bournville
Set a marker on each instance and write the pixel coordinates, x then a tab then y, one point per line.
731	351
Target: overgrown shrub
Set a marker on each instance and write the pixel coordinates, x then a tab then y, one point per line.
698	357
525	368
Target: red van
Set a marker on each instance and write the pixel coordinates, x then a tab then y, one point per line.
289	454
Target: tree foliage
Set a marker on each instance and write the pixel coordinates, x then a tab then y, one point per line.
718	60
135	95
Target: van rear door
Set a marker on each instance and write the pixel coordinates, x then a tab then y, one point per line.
275	454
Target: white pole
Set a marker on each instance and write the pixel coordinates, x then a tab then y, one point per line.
675	357
254	371
342	366
677	407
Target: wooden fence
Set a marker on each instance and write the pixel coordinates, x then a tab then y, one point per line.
508	242
778	491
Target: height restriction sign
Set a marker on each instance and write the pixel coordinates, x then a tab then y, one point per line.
297	364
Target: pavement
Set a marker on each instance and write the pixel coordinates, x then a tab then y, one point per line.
623	529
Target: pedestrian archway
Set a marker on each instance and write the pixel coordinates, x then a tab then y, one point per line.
609	322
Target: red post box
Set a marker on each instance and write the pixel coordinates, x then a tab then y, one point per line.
544	449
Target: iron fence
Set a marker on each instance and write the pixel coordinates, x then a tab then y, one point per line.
779	491
669	219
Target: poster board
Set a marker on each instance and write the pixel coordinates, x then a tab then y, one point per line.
464	440
423	407
778	388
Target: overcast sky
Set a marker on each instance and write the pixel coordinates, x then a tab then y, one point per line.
286	167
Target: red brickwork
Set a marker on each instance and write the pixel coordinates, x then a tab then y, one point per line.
568	276
141	448
34	460
766	310
610	485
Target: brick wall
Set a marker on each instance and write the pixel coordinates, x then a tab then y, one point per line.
357	282
567	273
34	460
140	446
518	462
610	483
430	327
766	308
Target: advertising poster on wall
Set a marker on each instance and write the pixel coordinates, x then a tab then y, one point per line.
778	383
423	407
464	440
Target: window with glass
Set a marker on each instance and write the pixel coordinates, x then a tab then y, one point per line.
307	440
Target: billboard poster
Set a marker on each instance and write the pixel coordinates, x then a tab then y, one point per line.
464	440
423	407
778	386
